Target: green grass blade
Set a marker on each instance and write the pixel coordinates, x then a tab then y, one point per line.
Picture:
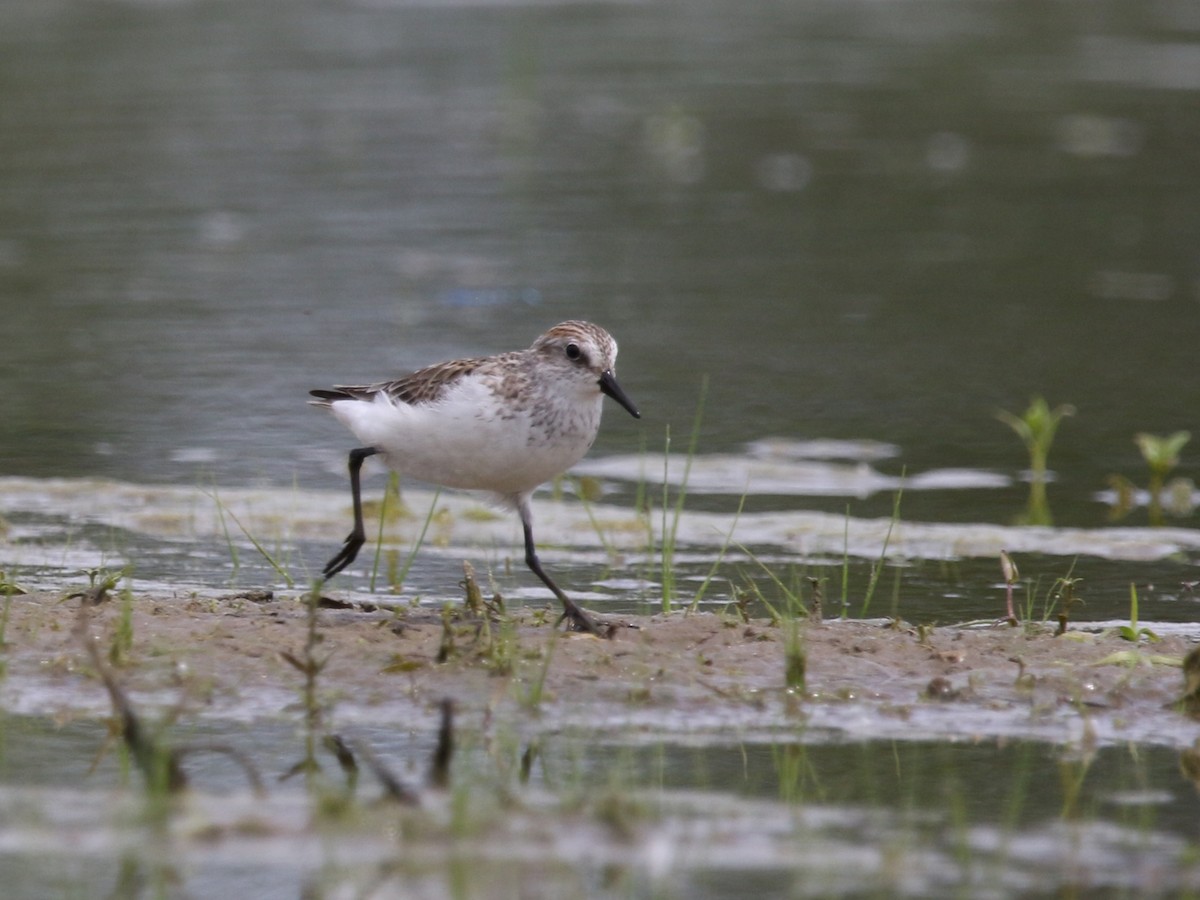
877	569
279	569
392	489
412	553
669	537
720	556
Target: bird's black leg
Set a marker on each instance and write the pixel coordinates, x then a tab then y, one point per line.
578	618
358	536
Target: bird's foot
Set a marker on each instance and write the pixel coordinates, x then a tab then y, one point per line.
578	620
346	555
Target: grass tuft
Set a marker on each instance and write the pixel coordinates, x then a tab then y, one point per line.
222	511
669	533
725	544
877	569
398	578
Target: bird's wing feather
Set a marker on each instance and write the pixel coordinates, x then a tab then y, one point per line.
416	389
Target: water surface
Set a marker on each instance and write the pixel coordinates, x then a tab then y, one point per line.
860	221
876	223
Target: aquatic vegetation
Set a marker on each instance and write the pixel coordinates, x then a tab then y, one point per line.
1162	456
845	609
448	647
309	666
121	649
1174	497
223	511
877	568
588	491
9	586
1011	576
720	557
790	615
523	682
795	661
1066	599
391	508
231	547
531	697
397	577
495	640
1132	632
101	582
473	596
792	606
159	762
1072	773
1036	427
540	759
669	532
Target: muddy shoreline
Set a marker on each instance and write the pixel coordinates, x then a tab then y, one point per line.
702	673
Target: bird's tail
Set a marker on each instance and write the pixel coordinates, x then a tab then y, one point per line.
326	398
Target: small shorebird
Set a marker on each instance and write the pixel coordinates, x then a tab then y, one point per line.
503	424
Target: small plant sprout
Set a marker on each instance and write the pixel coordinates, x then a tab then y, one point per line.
1011	576
1132	632
1066	594
473	599
9	586
1036	428
100	582
1162	456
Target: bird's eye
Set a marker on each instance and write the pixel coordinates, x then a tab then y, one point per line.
573	351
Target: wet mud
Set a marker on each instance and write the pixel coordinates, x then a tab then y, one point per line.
701	673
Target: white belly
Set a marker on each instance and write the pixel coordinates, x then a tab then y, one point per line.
467	440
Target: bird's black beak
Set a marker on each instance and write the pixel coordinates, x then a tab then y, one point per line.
608	385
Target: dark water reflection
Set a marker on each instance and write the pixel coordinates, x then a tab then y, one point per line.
861	220
730	818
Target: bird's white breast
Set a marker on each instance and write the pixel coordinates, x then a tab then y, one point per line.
474	439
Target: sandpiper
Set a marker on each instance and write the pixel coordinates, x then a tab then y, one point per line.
503	424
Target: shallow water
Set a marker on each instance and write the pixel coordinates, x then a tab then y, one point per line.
861	221
667	819
868	223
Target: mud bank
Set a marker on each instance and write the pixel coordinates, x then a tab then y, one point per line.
699	675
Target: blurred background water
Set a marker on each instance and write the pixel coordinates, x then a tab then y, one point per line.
862	220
